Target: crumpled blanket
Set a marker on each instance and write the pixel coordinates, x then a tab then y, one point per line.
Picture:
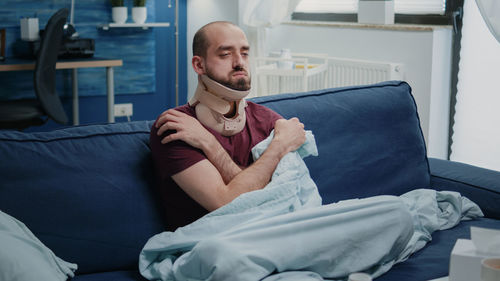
282	232
24	257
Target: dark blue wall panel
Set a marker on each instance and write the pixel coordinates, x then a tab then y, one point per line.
147	77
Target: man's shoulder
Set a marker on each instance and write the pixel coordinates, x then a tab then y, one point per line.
255	107
174	156
186	108
260	111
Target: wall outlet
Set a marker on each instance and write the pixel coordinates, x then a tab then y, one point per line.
123	109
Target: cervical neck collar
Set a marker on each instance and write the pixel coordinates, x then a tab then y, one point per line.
213	101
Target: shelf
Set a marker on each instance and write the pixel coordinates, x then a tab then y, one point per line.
132	25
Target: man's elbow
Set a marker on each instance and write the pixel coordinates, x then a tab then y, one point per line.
224	195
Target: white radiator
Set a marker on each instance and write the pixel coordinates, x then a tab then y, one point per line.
312	72
347	72
303	73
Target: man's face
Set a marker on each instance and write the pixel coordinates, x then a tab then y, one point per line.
227	60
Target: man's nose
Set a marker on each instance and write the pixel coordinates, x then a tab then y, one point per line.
238	61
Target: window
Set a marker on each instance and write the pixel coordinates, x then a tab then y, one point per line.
351	6
440	12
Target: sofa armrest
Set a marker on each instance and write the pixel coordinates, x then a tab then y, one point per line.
478	184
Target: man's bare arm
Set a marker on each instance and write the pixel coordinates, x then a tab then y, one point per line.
192	132
205	184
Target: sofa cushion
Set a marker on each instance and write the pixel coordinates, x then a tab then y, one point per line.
83	191
478	184
132	275
369	139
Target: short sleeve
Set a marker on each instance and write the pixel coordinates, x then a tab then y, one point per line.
173	157
261	119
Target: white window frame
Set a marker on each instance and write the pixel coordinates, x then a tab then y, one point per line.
414	7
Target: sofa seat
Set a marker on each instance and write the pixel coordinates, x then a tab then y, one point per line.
433	260
132	275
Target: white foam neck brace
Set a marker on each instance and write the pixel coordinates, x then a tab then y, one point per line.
214	100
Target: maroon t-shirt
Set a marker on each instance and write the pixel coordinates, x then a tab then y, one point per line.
174	157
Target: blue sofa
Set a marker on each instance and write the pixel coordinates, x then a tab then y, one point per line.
88	192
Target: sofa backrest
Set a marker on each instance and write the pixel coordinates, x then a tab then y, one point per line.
83	191
369	139
86	192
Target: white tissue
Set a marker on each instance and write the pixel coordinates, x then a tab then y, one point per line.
487	241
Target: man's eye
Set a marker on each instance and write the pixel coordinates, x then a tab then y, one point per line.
244	54
224	54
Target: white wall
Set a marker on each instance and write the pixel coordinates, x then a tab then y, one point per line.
426	55
199	13
440	89
476	138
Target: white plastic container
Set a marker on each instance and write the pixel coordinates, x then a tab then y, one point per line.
284	64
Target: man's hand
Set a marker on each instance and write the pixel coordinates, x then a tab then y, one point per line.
289	134
191	131
188	129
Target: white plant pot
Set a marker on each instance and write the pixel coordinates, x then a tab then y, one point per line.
139	14
119	14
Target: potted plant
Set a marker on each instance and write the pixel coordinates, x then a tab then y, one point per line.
139	11
118	11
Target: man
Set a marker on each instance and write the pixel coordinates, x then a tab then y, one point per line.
201	150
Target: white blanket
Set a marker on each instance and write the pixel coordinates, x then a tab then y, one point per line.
282	232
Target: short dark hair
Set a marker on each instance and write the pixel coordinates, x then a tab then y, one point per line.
200	40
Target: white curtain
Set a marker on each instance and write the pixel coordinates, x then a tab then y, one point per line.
476	138
258	15
490	10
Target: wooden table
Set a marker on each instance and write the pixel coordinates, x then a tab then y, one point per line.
21	64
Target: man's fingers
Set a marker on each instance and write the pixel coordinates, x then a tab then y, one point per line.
161	119
184	127
167	122
169	125
295	119
168	115
162	129
176	113
169	138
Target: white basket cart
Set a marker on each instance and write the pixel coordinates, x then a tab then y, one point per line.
300	73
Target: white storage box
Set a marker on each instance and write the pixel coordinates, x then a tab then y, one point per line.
465	261
376	11
29	29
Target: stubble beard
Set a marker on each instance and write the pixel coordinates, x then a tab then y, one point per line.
241	84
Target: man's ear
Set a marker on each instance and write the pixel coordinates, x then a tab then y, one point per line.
198	65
